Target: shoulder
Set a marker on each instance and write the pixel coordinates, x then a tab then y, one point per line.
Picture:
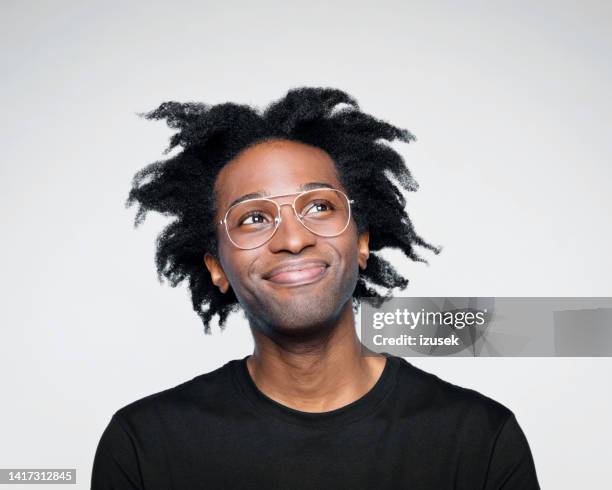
429	393
141	428
485	428
205	390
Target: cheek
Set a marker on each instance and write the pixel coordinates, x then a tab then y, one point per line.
228	262
351	245
347	253
236	265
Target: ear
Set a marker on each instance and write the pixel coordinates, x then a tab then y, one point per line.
363	251
217	274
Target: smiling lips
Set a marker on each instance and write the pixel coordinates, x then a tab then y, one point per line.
297	273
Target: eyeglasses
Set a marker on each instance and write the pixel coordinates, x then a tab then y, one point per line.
251	223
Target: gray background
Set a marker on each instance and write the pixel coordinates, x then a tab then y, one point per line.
509	101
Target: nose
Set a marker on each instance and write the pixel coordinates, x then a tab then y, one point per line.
291	235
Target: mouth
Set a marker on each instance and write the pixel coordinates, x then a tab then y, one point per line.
298	274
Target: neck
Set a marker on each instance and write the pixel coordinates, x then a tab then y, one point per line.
318	375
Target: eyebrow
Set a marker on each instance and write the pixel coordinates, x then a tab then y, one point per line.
261	193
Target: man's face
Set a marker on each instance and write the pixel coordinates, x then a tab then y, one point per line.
301	303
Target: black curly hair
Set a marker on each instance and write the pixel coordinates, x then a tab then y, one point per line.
210	136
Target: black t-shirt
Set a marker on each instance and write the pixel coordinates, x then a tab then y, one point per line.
219	431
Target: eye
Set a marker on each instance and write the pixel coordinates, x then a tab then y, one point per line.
316	207
254	218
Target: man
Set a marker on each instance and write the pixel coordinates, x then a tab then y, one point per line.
281	213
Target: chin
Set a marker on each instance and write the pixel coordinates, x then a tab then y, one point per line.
312	319
302	319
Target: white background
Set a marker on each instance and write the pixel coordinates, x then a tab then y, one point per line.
510	104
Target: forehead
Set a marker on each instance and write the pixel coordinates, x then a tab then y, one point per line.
274	167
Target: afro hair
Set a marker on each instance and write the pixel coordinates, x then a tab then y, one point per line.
209	137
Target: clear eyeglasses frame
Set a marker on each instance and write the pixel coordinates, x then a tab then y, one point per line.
269	233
